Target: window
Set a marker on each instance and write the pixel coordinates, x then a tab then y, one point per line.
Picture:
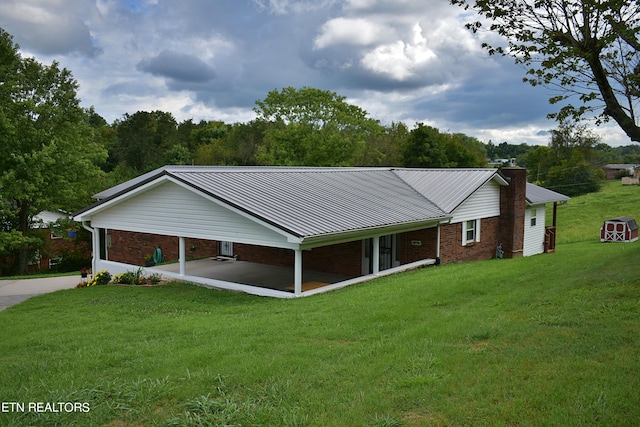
534	213
470	231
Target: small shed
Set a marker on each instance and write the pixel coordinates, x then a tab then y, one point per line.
621	229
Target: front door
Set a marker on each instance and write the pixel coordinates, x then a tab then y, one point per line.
388	254
225	249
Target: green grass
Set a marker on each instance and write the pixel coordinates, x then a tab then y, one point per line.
546	340
580	220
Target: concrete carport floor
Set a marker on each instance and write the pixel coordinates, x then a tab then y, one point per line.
250	273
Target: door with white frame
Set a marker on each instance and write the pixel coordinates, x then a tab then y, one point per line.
389	254
225	249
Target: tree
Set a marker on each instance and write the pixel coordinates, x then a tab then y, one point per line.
574	177
424	148
143	138
312	127
49	154
584	48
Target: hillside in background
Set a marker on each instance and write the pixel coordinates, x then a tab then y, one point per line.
580	219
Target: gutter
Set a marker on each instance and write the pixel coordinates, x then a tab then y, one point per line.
310	242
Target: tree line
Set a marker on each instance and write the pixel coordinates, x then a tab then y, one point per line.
57	154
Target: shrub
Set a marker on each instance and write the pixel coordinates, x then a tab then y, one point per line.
102	277
137	278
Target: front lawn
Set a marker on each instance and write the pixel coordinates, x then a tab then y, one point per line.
545	340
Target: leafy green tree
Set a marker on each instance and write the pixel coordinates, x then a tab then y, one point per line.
312	127
465	151
143	139
538	161
385	148
583	48
574	177
424	148
49	153
571	137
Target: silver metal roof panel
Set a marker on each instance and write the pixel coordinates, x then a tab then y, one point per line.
317	201
448	188
537	195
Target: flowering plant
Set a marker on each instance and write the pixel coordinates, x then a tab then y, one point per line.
100	278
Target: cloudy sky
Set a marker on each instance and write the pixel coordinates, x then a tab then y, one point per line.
400	60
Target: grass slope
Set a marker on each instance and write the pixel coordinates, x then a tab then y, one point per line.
544	340
580	220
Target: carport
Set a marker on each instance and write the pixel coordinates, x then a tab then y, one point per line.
297	209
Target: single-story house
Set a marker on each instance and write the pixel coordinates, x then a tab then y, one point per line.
355	222
617	170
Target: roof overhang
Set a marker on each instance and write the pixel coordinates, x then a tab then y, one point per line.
294	240
310	242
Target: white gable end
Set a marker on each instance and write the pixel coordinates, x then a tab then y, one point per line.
484	203
173	210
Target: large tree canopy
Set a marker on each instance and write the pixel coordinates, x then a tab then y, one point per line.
49	155
312	127
587	49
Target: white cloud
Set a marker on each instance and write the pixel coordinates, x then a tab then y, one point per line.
400	59
350	31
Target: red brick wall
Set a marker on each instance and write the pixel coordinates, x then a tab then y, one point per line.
345	258
132	247
451	248
512	212
264	254
427	247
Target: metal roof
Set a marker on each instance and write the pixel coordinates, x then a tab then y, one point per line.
631	222
537	195
317	201
448	188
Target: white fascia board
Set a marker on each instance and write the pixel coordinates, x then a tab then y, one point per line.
365	233
499	179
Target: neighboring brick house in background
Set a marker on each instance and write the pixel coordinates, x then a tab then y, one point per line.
349	221
618	170
61	249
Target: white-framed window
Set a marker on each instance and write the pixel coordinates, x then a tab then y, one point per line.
54	261
534	214
470	231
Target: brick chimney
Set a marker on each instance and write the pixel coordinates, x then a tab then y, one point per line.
512	209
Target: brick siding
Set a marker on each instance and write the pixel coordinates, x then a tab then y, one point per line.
132	247
512	212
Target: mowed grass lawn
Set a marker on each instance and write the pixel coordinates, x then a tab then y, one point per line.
545	340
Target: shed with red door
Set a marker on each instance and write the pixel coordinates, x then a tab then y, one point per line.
621	229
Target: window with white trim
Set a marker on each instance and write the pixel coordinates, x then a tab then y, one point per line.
470	231
534	213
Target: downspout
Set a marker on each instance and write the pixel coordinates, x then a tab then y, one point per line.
95	246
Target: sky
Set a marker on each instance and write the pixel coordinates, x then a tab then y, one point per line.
400	60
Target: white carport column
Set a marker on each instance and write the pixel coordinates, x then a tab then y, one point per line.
183	256
95	243
438	243
375	254
297	272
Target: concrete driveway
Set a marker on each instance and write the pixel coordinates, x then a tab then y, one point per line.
13	292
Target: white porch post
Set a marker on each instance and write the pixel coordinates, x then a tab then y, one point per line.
183	256
438	243
297	272
375	255
95	242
